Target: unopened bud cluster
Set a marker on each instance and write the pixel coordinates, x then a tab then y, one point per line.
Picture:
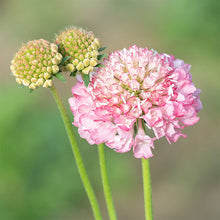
35	63
82	47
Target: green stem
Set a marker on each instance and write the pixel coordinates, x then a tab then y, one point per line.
105	183
76	152
147	189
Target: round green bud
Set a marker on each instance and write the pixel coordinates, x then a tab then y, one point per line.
70	67
55	69
87	70
81	46
47	83
93	62
86	62
75	62
35	63
80	66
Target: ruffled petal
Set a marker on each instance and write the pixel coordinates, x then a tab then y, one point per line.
142	146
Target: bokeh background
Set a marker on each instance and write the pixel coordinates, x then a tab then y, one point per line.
38	176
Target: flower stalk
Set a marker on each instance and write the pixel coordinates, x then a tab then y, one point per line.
77	155
147	189
105	183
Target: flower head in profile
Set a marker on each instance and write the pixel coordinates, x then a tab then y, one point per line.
81	47
35	64
137	90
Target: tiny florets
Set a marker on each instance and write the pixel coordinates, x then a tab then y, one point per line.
82	47
35	64
138	89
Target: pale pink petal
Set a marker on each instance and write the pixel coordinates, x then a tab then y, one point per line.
153	117
86	135
104	133
142	146
190	117
122	142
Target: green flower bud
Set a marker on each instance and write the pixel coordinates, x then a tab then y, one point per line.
48	83
94	54
32	86
55	69
49	69
87	70
70	67
26	82
88	55
86	62
96	40
40	82
80	66
47	76
54	47
93	62
94	46
34	64
75	62
33	80
81	46
19	81
59	58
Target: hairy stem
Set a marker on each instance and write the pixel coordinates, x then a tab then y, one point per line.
77	155
105	183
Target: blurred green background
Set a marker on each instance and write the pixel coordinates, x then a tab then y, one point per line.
38	176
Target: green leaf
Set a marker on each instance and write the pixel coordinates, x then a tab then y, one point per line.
65	59
101	56
60	77
100	65
101	49
31	90
73	74
86	79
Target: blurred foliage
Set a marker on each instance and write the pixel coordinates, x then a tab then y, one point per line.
38	176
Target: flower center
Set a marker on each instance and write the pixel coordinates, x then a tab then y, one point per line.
134	85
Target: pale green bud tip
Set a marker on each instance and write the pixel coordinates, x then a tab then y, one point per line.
81	46
47	83
47	76
35	63
70	67
93	62
55	69
54	47
87	70
75	62
96	40
86	62
80	66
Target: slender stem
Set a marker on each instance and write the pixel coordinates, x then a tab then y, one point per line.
78	158
105	183
147	189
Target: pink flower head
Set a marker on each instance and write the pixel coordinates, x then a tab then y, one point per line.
138	89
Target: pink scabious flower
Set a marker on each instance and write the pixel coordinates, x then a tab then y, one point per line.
138	89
